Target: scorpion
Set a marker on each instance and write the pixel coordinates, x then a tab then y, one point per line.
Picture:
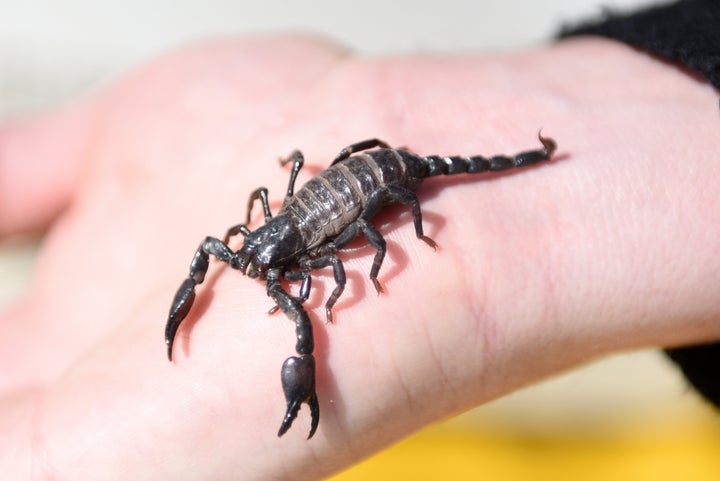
313	224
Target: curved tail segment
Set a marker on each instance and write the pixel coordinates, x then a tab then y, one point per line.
451	165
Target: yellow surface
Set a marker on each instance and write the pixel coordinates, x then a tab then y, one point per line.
685	448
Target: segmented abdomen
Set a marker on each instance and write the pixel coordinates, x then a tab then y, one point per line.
333	199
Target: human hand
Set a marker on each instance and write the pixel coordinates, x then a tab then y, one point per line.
611	246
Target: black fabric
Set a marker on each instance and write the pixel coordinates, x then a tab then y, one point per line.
701	366
687	32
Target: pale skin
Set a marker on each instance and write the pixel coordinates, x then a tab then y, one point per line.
612	246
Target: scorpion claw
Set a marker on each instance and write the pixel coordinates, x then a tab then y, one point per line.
181	304
298	382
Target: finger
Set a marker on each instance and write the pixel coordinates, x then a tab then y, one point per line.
40	161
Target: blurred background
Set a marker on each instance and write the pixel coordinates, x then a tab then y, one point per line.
627	417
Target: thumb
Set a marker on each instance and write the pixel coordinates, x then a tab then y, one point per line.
40	160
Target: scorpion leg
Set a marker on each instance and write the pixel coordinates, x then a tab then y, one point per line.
304	276
374	203
307	265
259	193
406	196
298	372
262	194
338	273
185	295
301	275
357	147
235	230
376	240
296	157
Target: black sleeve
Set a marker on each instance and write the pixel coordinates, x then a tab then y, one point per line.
687	32
701	366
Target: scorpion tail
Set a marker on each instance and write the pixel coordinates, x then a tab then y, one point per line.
438	165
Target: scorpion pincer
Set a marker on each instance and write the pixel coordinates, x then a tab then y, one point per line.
313	224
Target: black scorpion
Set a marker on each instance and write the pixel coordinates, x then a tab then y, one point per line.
313	224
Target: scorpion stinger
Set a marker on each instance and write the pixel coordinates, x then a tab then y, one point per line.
327	213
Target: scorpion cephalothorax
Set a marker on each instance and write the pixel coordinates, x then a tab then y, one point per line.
313	224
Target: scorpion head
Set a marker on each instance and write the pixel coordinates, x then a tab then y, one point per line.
274	244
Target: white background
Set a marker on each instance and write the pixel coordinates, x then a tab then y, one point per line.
51	49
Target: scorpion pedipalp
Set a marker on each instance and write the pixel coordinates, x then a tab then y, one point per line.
185	295
298	372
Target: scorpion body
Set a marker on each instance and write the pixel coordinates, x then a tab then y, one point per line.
323	216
